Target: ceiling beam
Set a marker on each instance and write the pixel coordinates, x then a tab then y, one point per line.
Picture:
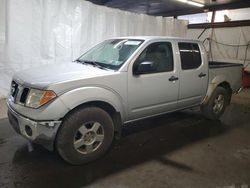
233	5
220	24
131	5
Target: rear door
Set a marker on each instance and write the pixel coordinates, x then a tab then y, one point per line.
193	74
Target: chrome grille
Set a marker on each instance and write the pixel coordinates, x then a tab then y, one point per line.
19	93
24	95
14	87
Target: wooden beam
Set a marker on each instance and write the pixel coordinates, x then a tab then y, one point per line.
241	23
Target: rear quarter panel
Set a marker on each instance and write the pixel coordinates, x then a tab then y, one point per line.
232	75
218	75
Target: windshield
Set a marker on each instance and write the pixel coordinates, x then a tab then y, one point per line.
111	54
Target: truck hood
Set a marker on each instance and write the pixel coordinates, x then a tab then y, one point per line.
42	77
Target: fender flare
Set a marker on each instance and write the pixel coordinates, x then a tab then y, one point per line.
80	96
217	80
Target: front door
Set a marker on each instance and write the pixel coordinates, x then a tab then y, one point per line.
153	92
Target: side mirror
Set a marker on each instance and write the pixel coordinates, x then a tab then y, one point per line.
145	67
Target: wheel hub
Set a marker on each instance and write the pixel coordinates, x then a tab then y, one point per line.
89	137
218	104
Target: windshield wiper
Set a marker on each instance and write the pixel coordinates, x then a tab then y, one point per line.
93	63
78	61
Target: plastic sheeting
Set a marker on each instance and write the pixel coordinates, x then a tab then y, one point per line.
54	31
227	44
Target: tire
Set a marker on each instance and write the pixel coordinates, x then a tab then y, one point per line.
216	104
85	135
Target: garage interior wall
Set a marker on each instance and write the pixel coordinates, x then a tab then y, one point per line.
53	31
228	44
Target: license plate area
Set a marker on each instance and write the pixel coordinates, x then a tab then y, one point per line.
14	122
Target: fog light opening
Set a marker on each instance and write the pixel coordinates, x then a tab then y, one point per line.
28	130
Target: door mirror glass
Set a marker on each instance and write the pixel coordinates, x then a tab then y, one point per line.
145	67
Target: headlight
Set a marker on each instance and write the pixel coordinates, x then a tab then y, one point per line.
37	98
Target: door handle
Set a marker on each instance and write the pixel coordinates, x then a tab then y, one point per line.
202	75
173	78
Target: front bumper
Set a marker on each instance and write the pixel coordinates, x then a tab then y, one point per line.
41	132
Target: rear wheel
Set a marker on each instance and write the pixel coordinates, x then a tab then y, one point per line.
85	135
216	104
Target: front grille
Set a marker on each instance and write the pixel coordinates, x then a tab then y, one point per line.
19	93
24	95
14	87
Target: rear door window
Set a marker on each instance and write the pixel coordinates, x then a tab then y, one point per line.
190	55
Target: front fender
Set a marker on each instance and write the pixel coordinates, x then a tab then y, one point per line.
83	95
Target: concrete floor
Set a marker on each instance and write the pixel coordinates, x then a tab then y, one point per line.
177	150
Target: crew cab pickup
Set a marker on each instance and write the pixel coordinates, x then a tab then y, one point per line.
77	108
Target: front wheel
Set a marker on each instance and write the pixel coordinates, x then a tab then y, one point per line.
85	135
216	104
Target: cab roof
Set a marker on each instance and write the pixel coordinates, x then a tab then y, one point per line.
149	38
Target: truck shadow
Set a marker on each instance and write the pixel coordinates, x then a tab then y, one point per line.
144	141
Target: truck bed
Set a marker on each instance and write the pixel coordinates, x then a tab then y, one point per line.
231	72
218	64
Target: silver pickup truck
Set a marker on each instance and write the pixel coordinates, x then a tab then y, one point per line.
78	108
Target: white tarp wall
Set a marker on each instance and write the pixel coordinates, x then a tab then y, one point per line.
236	39
36	32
